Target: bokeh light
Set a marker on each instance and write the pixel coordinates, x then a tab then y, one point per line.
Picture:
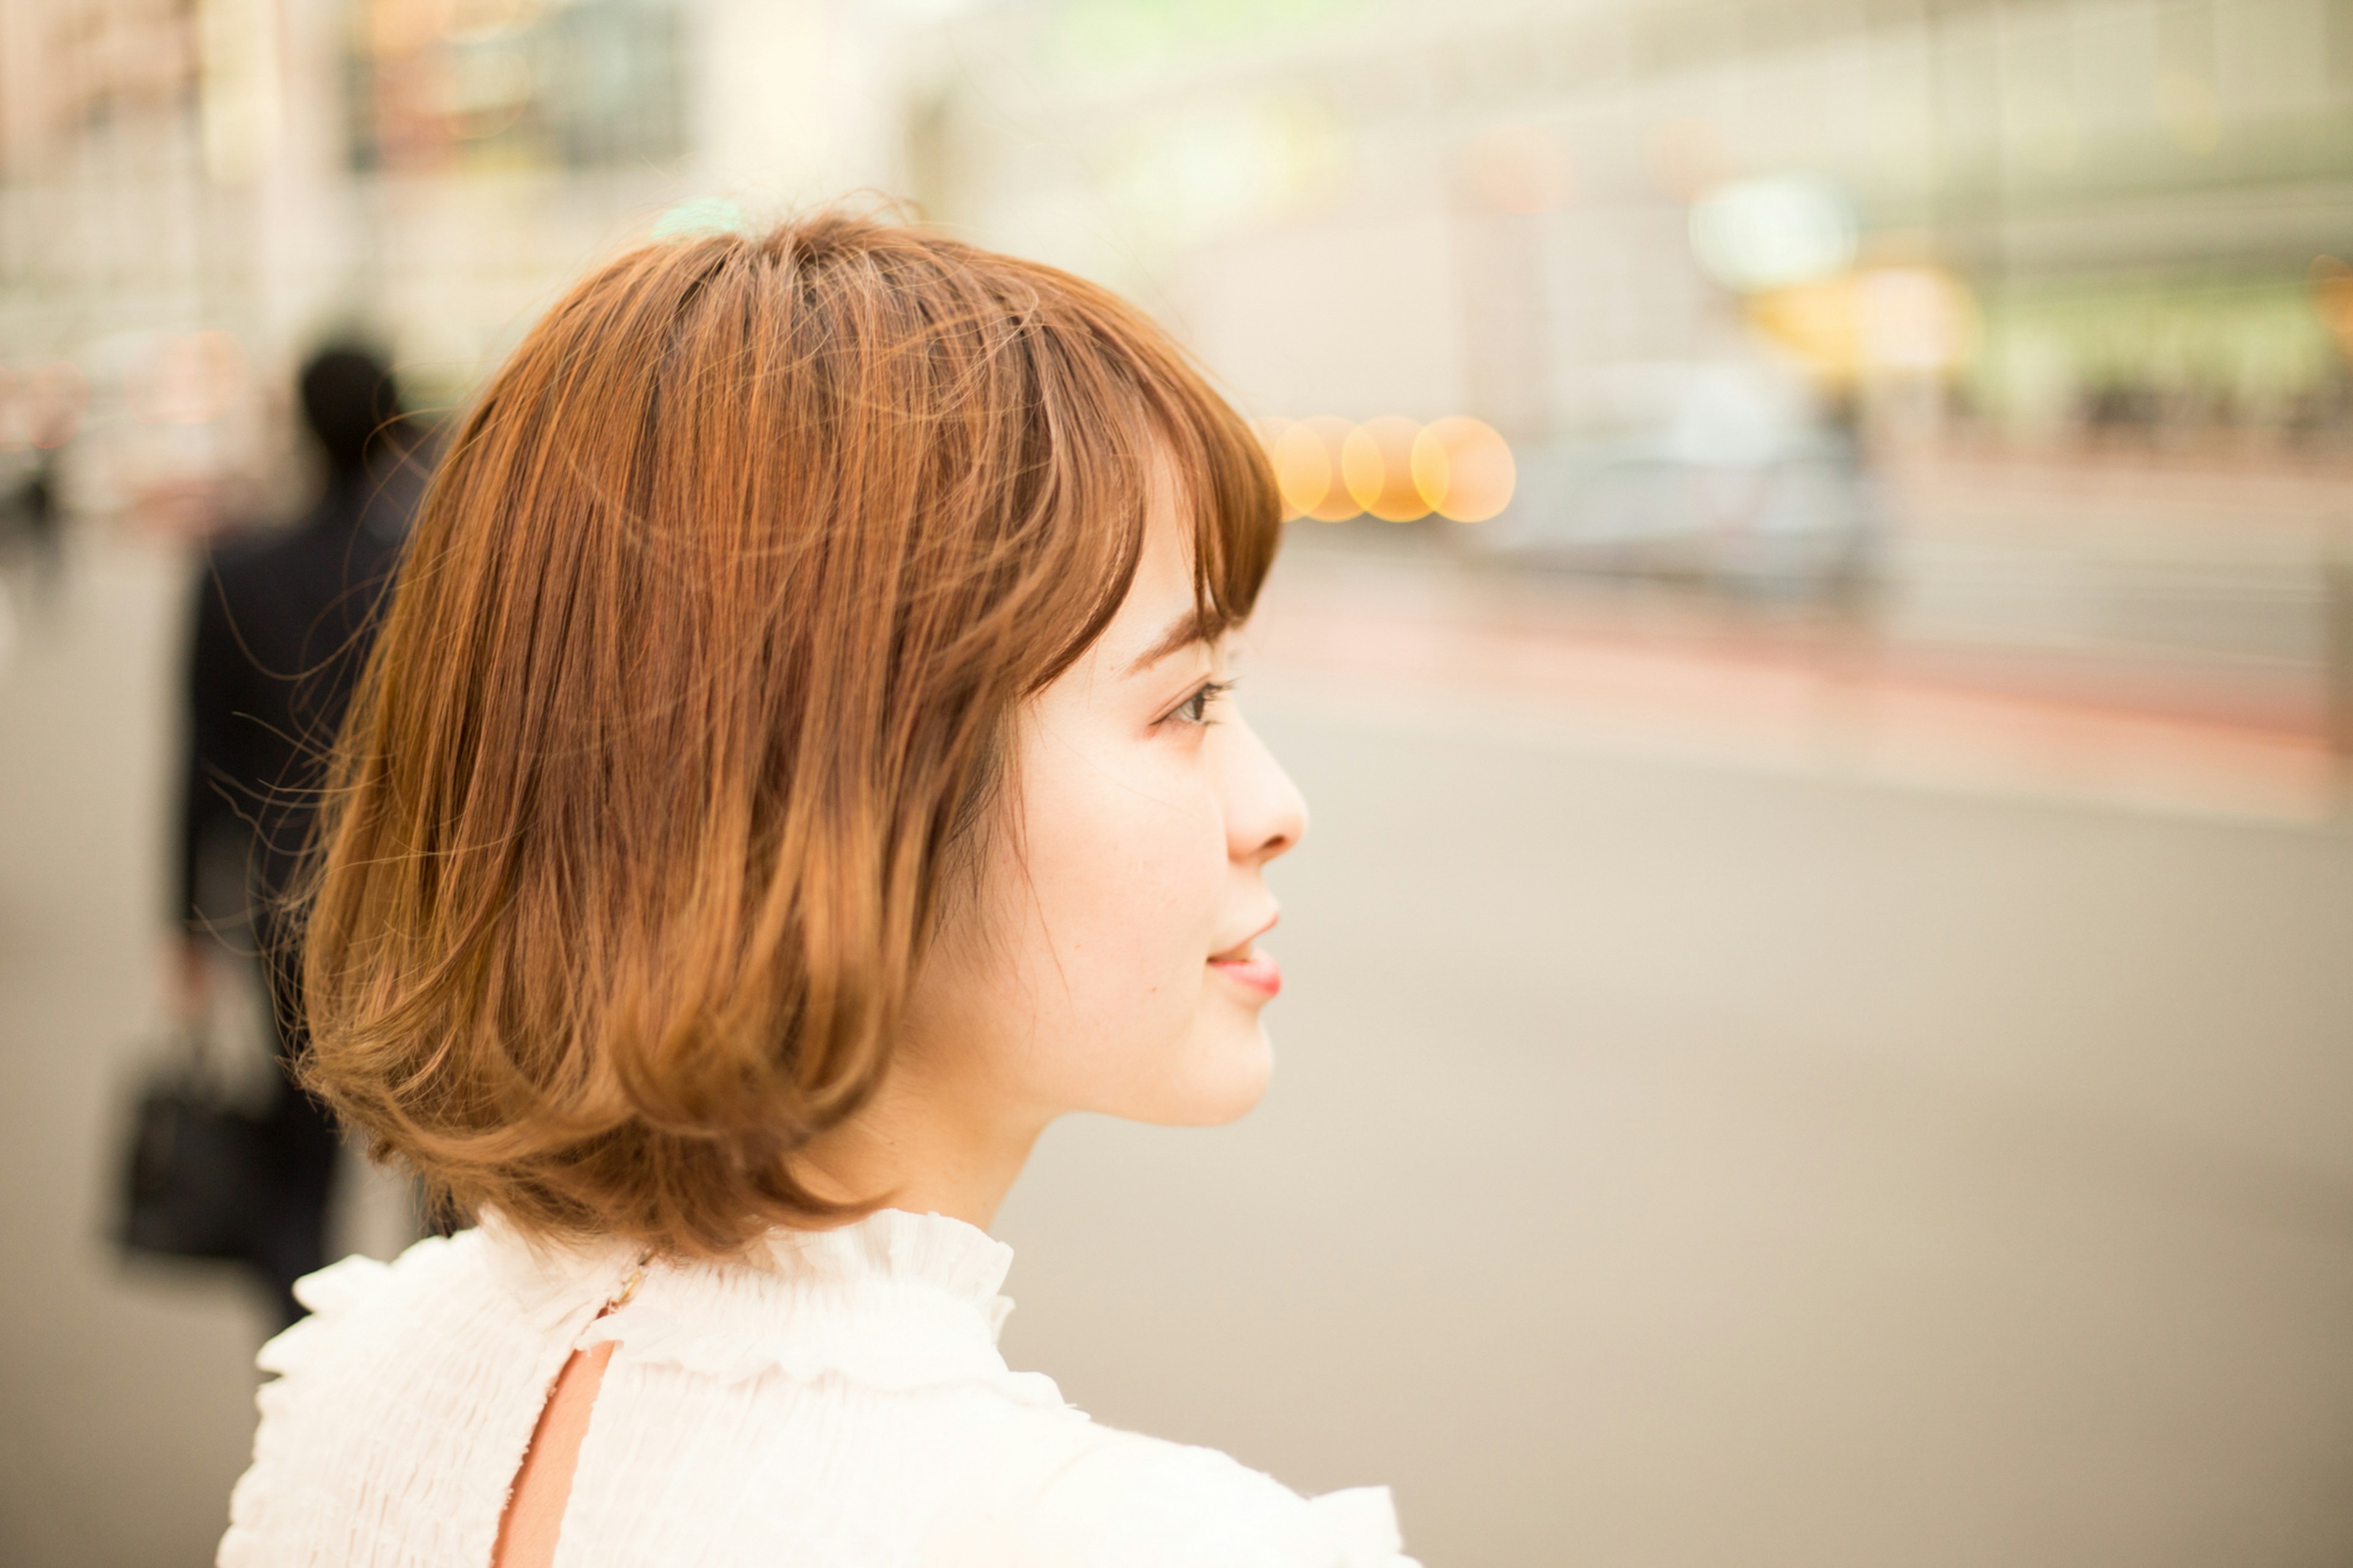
1464	469
1916	319
1308	464
1303	469
1389	468
1376	465
1771	233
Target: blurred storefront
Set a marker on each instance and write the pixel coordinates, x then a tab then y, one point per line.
2088	223
2019	331
193	190
2022	329
2062	218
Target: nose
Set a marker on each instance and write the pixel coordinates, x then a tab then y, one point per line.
1265	813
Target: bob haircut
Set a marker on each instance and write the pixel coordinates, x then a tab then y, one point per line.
693	695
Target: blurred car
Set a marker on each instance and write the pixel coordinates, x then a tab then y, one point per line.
1741	482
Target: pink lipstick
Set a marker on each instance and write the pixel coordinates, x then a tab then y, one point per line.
1256	970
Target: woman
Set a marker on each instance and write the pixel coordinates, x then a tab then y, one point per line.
795	767
279	629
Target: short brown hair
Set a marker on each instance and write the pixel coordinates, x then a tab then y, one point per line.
697	676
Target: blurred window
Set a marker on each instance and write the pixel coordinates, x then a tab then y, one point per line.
458	84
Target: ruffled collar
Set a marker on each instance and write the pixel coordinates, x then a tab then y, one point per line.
896	1300
895	1249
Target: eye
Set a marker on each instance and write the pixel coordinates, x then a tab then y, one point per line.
1195	709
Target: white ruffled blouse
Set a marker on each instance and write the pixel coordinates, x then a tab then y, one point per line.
837	1400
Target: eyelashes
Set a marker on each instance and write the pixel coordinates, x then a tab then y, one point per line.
1195	709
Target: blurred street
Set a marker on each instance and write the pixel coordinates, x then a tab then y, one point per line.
2175	641
1673	1159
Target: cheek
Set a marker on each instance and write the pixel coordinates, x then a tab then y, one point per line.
1128	874
1081	983
1119	907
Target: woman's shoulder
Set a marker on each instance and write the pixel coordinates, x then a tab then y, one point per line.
1095	1497
1143	1502
446	1306
395	1398
351	1293
456	1325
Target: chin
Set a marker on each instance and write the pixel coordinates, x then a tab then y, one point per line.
1227	1074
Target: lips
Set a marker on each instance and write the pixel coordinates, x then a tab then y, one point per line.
1246	966
1257	970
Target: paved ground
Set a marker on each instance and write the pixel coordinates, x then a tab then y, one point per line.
1675	1159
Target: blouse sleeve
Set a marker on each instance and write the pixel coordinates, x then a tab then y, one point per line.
277	1499
331	1294
1148	1504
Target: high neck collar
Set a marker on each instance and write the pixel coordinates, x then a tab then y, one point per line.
895	1247
896	1300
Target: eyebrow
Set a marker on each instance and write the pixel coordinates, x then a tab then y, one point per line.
1193	625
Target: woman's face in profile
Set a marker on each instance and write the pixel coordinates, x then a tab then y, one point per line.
1111	960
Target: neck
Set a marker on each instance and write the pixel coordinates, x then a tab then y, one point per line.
920	1145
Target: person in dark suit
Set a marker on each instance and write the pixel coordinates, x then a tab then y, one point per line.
282	623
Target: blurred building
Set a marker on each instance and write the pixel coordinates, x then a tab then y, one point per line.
2065	215
2119	219
1703	266
191	191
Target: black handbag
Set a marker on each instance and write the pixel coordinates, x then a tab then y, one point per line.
195	1175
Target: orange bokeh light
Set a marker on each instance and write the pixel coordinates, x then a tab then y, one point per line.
1464	469
1390	467
1376	465
1307	456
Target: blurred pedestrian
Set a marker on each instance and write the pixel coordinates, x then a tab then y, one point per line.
36	520
281	625
32	518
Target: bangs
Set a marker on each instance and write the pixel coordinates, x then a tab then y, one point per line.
1125	417
1225	489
